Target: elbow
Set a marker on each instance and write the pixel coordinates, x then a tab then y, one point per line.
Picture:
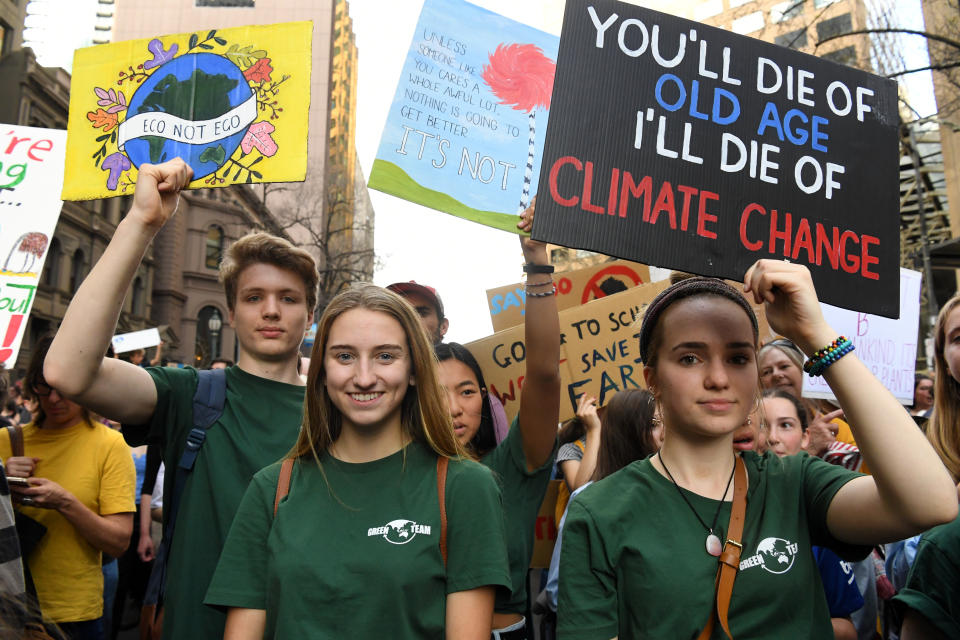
940	509
59	374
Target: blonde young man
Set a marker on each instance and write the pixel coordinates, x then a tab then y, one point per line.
271	291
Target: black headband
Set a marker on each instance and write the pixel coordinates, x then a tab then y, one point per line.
685	289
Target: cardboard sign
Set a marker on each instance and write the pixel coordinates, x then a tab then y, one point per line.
888	347
465	130
136	340
682	145
508	303
31	165
231	102
545	533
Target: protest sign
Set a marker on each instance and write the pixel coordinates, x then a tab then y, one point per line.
888	347
465	128
31	166
682	145
135	340
508	303
545	531
599	350
231	102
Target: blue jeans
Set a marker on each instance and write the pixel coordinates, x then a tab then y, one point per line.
86	630
111	576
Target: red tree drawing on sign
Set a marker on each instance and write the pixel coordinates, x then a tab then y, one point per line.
522	78
30	246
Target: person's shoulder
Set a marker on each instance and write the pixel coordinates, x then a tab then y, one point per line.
624	489
945	537
237	378
464	470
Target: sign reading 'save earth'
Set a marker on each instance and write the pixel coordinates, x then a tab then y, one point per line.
682	145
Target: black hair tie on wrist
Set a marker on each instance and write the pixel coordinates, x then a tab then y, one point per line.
537	268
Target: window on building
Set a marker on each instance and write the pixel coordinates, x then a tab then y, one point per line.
748	23
214	247
847	56
793	39
78	267
136	297
786	10
51	270
6	38
834	27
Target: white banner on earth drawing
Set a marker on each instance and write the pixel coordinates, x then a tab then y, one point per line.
888	347
31	176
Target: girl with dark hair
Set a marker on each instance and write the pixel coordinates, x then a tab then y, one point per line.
524	459
642	555
81	488
922	396
386	528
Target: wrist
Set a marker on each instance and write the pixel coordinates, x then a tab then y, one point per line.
816	338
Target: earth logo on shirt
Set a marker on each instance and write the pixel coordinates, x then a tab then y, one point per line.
399	531
776	554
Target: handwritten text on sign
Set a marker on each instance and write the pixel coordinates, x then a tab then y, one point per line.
508	303
31	170
719	150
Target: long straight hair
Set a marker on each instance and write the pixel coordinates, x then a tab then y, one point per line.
424	414
627	433
943	431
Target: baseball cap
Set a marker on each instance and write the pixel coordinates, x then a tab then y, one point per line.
404	288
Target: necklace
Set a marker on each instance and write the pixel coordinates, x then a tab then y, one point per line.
713	542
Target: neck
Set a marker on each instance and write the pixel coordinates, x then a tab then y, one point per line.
702	467
284	370
50	425
356	445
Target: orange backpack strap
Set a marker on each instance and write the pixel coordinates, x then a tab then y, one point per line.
283	483
442	463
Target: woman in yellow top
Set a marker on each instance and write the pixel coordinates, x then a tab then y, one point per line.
81	482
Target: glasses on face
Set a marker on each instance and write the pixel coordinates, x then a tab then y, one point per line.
783	343
42	389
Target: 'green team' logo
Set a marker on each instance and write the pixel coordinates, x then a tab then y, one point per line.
399	531
776	555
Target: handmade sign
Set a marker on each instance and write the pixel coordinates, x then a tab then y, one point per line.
231	102
888	347
682	145
136	340
464	133
507	304
31	165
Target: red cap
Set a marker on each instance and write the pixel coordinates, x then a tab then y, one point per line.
404	288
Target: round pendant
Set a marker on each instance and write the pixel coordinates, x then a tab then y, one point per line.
713	545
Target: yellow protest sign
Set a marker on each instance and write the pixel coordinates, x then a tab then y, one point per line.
574	288
599	350
232	103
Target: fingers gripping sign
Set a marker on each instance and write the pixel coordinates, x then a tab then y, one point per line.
157	195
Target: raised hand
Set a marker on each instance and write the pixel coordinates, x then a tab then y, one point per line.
157	195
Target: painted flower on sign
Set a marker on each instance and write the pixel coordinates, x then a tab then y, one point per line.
260	71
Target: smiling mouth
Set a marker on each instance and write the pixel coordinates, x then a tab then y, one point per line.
365	397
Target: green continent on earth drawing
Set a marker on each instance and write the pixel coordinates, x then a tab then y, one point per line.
202	97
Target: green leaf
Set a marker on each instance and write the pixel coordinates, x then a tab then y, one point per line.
212	33
193	40
249	178
220	41
205	46
103	137
259	53
236	176
215	155
113	136
259	158
257	174
232	48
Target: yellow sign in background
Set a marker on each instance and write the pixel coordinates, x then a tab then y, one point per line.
232	102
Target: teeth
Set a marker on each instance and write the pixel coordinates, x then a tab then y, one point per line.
364	397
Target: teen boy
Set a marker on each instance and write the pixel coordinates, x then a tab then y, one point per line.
271	290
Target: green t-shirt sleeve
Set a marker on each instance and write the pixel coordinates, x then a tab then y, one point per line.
173	415
933	584
587	606
476	536
821	481
240	577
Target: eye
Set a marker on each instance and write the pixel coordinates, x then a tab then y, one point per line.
468	392
343	356
289	299
253	298
740	359
766	372
688	359
386	357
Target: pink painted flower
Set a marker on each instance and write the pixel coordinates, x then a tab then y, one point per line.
520	76
259	72
258	137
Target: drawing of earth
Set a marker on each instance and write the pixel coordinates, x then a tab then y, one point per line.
400	531
197	87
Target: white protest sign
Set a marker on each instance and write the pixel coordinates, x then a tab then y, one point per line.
888	347
31	172
135	340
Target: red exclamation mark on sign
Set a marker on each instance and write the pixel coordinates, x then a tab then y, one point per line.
12	329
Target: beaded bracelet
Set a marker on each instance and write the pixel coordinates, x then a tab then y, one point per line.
825	357
539	284
543	294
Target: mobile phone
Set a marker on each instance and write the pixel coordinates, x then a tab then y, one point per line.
22	482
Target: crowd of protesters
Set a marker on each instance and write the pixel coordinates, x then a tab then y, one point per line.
379	490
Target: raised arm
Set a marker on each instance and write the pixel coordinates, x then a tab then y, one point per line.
540	397
75	365
910	490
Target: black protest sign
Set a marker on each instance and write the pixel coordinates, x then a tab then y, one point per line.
685	146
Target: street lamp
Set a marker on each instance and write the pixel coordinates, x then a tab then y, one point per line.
214	324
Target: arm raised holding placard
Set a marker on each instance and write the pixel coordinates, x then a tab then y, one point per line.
75	364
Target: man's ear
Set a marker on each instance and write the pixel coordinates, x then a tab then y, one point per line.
444	325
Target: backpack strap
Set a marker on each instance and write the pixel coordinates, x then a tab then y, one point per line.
283	483
442	463
15	432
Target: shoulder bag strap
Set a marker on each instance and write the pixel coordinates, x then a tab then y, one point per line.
442	463
729	560
283	483
15	432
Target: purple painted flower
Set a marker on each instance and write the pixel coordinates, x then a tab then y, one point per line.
159	55
116	163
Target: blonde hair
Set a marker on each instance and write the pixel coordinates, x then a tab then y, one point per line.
943	431
263	248
424	414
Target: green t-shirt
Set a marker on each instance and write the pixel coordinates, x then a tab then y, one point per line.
633	561
523	493
933	585
361	559
259	425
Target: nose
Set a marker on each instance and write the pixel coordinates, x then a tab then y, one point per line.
717	377
54	395
454	402
773	437
363	374
271	307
